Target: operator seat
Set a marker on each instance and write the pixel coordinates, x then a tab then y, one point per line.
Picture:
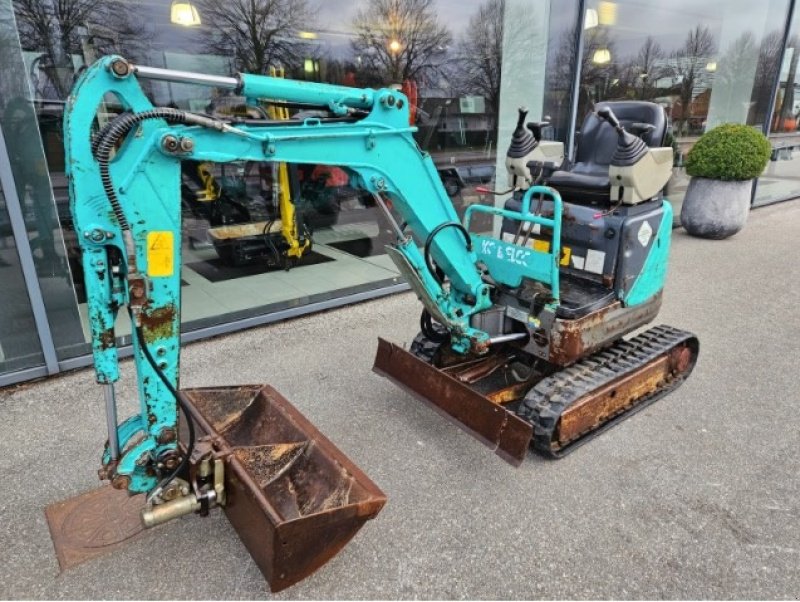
587	181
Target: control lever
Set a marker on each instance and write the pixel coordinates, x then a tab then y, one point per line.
536	128
608	115
522	114
640	129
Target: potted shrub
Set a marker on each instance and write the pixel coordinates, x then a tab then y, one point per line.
723	164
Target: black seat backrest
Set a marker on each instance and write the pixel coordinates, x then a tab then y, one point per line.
598	139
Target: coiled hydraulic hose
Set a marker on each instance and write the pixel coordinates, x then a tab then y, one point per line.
107	140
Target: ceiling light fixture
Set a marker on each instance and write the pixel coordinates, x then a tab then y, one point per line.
184	13
607	13
602	56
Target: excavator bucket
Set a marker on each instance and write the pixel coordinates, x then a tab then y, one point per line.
294	499
488	421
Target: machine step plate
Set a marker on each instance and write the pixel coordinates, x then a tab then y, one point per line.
93	524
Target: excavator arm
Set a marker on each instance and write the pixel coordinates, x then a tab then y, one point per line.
132	247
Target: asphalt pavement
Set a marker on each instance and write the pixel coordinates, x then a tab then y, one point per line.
697	496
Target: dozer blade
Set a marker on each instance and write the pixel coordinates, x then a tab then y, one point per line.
294	499
502	430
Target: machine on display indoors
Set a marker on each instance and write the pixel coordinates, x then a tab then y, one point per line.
281	240
521	336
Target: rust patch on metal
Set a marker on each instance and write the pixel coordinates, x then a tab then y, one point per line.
503	431
93	524
475	370
268	462
572	340
680	359
567	342
510	394
107	339
293	498
606	402
158	323
234	402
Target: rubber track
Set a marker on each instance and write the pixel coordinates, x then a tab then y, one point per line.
546	402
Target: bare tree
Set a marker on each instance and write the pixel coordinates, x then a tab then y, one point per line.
649	68
596	77
480	54
258	33
59	29
688	65
769	54
400	40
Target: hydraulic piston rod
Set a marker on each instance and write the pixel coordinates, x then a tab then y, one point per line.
337	98
186	77
111	419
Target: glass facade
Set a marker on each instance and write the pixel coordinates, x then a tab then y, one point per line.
781	179
466	67
706	63
19	346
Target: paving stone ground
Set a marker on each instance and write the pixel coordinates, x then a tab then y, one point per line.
696	497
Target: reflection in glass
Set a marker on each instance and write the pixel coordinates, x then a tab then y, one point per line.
561	65
19	344
30	111
706	64
446	59
781	179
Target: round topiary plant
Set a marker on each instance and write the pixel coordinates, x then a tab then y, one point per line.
723	163
730	151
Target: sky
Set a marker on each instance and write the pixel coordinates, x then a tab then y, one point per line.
338	14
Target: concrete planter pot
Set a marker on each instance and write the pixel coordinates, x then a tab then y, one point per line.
715	209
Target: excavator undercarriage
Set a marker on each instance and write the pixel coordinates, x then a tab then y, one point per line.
512	402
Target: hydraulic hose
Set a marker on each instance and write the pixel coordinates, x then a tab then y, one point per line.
179	399
109	137
426	325
96	138
429	242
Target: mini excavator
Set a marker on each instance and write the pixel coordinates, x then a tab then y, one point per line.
521	335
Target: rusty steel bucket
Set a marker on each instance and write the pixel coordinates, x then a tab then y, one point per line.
293	497
508	435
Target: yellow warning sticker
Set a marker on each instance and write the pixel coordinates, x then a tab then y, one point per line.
566	255
543	246
160	254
